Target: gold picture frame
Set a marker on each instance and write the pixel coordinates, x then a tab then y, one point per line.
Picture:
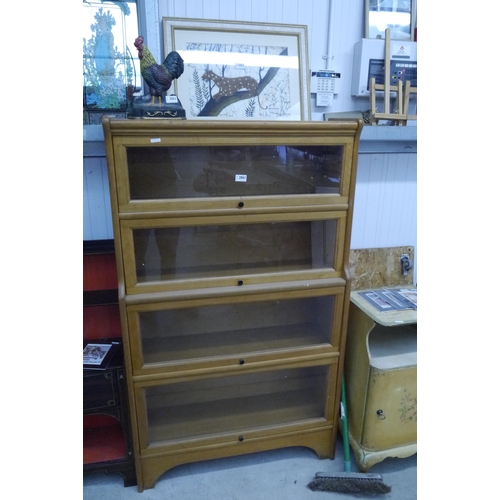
240	71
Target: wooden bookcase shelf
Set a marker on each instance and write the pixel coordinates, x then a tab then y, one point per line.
232	246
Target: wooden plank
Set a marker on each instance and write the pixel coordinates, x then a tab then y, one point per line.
387	71
399	110
406	100
379	267
390	116
373	100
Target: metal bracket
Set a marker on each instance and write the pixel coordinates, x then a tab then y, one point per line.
406	264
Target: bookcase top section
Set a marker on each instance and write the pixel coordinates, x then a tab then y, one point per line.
347	127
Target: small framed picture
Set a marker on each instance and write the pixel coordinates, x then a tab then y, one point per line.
397	15
97	355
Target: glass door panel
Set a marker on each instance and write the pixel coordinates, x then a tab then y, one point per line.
193	252
232	329
235	403
156	173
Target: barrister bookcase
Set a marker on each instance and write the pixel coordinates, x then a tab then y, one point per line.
232	246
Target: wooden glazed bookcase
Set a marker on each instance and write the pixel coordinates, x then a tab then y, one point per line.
232	246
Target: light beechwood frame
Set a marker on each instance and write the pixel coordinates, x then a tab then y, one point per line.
153	380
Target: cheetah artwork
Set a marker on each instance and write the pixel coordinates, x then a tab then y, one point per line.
229	86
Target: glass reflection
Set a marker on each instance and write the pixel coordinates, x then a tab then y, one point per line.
224	250
237	403
234	329
184	172
393	14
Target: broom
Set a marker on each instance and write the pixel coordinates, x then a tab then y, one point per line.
347	481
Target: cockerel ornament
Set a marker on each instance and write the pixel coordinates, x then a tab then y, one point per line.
159	77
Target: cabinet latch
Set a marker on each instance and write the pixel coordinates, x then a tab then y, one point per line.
406	264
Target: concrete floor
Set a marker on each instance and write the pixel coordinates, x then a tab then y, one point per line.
273	475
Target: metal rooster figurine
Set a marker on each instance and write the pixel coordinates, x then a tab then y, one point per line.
159	78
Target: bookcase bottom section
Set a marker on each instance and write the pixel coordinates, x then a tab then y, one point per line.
239	403
150	468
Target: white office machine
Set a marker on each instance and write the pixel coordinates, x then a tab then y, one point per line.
369	62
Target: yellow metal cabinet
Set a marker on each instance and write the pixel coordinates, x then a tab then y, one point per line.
381	382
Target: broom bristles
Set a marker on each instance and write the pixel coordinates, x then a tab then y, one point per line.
348	482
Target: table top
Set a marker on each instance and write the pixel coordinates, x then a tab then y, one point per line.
384	318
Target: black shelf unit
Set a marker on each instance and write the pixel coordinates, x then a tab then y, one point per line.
105	391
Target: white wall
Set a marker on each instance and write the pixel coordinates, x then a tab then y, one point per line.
385	205
97	221
386	190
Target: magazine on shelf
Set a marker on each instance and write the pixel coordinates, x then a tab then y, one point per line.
98	355
391	299
407	295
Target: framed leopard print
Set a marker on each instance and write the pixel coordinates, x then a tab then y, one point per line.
240	71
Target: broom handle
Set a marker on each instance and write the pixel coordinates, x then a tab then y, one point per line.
345	428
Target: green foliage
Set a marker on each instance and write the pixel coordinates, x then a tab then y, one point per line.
200	101
201	91
250	109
